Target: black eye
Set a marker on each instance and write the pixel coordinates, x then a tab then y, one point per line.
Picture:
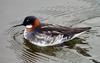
27	20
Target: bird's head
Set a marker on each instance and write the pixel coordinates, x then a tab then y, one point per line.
30	22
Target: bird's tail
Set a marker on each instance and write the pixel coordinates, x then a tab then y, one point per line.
79	30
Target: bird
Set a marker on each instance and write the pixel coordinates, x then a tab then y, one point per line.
45	34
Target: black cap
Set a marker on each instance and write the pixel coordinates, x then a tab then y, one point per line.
29	20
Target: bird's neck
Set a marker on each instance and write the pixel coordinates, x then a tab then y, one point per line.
29	29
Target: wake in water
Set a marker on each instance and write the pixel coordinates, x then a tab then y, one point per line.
68	14
27	51
18	44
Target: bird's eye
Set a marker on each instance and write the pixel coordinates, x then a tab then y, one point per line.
27	20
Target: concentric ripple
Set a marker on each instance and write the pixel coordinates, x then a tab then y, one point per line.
71	13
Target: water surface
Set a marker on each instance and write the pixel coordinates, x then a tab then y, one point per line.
72	13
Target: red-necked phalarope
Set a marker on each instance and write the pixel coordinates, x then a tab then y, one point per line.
42	34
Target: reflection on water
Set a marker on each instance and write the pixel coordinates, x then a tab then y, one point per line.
54	54
74	51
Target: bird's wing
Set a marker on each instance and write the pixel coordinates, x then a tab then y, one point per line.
57	29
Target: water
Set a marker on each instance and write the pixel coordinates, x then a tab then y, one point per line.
74	13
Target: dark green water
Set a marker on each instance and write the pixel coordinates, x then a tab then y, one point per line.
75	13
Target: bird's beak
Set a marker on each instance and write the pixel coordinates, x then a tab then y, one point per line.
18	25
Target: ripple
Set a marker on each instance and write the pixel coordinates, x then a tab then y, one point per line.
31	53
71	13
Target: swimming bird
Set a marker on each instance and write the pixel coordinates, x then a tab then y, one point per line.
43	34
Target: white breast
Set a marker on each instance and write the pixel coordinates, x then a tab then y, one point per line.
40	39
43	39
